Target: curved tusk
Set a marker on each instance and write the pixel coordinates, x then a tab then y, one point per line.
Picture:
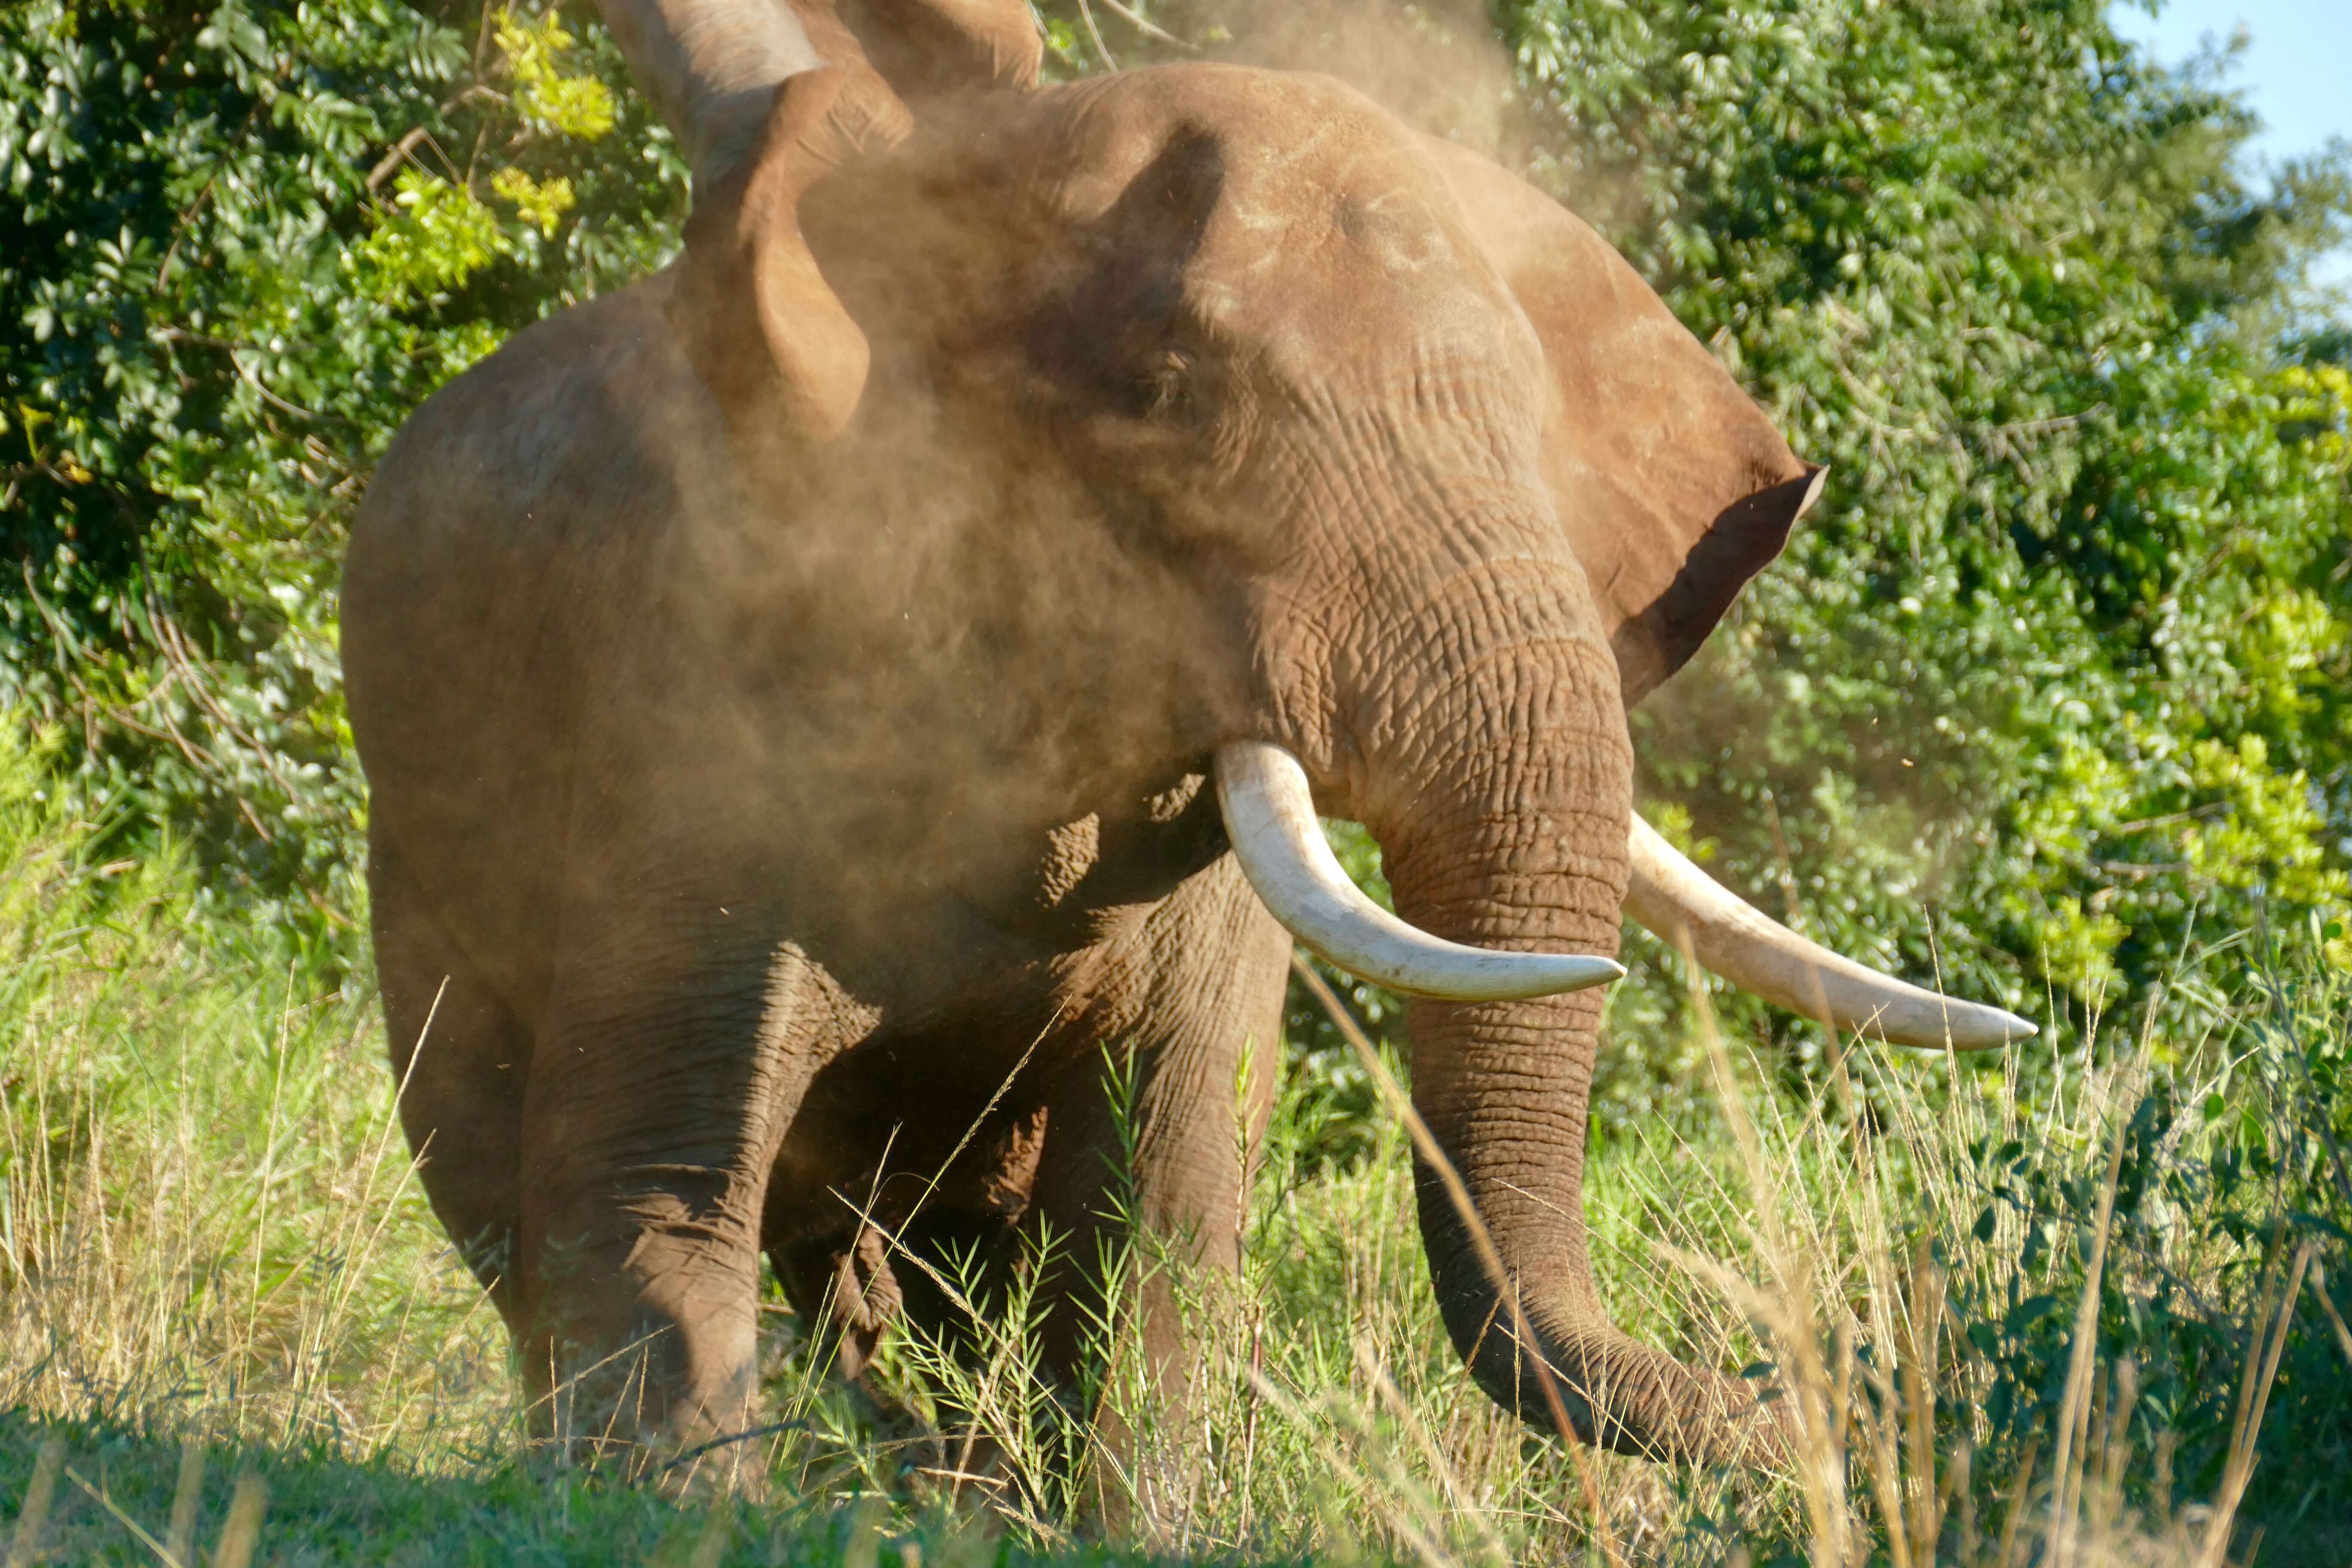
1270	817
1758	955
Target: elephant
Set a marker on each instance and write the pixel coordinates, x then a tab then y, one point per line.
820	699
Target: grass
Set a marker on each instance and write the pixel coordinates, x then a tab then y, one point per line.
2081	1310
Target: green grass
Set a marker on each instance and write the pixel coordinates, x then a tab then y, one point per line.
211	1245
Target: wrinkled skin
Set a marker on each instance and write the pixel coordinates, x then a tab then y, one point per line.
788	785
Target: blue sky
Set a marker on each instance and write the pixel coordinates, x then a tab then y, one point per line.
2296	70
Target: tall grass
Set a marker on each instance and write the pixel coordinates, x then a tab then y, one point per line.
206	1216
2071	1309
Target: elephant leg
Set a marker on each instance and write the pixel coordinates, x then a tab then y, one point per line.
461	1059
1175	1006
661	1093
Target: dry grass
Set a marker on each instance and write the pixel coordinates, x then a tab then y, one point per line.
218	1281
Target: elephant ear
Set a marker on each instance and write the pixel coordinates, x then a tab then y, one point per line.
762	328
768	97
1673	487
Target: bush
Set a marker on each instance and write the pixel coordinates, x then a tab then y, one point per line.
238	247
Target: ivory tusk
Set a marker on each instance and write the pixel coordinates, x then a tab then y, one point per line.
1270	817
1756	952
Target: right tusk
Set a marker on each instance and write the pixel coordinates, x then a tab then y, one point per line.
1756	952
1270	817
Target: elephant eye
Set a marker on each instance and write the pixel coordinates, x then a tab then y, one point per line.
1167	385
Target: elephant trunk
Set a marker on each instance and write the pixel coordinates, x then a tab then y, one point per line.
1499	787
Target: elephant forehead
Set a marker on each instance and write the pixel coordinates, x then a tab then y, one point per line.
1312	222
1370	269
1289	156
1110	127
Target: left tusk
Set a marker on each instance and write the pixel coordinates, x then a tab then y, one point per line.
1756	952
1270	817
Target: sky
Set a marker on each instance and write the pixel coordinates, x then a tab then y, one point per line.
2296	71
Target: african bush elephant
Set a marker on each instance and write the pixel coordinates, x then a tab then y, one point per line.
790	688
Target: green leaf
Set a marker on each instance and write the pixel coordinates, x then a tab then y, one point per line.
232	27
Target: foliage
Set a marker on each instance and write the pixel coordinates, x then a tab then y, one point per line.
238	246
2214	1174
2058	671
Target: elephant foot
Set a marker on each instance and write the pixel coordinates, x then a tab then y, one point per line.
637	1415
666	1395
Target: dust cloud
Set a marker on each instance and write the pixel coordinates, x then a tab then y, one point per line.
1436	65
1004	654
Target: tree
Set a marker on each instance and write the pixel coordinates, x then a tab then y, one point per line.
237	248
2053	686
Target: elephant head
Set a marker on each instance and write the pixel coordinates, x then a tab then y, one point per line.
1427	485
